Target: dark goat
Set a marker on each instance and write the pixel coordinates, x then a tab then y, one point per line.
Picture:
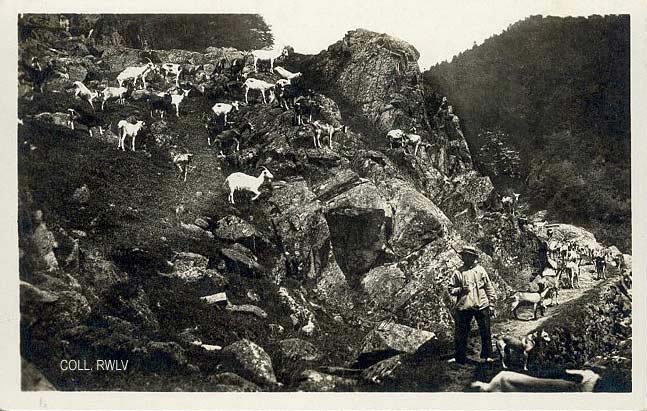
233	135
37	74
158	102
305	106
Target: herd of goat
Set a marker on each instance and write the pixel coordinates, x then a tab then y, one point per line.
286	91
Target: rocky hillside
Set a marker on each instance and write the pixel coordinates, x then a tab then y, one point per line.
341	264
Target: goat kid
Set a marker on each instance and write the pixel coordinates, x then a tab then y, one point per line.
128	129
242	182
84	93
321	127
509	381
505	344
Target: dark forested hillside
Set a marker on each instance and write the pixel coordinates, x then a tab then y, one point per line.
557	91
193	32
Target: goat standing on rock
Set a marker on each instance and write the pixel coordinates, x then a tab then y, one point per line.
270	55
321	127
241	181
84	93
260	85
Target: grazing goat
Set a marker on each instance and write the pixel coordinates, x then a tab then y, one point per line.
176	99
234	135
59	119
182	161
134	73
510	202
171	69
260	85
220	109
321	127
241	181
128	129
509	381
110	93
406	139
84	93
270	55
287	74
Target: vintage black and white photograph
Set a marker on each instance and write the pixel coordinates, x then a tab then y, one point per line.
260	202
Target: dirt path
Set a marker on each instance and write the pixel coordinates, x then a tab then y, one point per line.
458	377
527	325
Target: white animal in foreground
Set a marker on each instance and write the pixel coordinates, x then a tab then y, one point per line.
287	74
134	73
406	139
84	93
128	129
110	93
220	109
509	381
322	127
176	99
260	85
241	181
270	55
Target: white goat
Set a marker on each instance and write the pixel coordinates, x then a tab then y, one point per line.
128	129
176	99
110	93
241	181
509	381
287	74
321	127
510	202
84	93
260	85
406	139
220	109
270	55
171	69
133	73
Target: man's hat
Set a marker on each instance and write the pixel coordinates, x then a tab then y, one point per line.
469	250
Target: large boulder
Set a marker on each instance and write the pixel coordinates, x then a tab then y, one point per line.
189	267
251	361
398	338
315	381
376	73
359	221
382	283
299	350
417	221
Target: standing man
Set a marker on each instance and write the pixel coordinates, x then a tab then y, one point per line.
475	298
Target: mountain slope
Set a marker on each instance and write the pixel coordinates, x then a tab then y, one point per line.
558	89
